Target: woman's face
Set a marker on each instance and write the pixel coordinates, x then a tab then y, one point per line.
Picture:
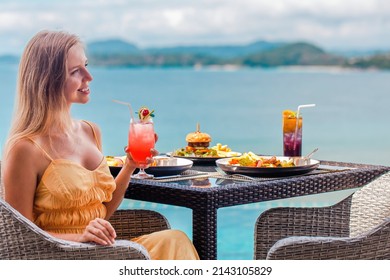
78	76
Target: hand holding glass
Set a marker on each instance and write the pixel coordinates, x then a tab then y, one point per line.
141	141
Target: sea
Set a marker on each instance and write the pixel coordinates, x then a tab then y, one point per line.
241	108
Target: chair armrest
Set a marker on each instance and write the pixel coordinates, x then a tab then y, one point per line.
374	244
277	223
132	223
120	250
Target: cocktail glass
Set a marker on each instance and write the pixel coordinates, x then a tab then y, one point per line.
141	141
292	135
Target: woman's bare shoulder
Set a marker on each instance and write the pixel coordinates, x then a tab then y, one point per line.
89	126
23	149
23	158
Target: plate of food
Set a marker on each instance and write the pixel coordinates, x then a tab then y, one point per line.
115	164
161	166
198	148
252	164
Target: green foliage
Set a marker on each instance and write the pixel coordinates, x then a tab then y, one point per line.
153	60
119	53
293	54
381	61
257	54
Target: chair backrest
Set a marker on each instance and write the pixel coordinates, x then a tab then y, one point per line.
370	205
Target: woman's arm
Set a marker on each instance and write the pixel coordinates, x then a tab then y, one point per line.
98	230
20	175
122	179
122	182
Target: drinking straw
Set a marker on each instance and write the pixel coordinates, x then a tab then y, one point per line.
128	105
297	122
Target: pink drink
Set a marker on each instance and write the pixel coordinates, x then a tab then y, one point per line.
141	140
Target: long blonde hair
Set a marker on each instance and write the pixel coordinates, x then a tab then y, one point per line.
40	99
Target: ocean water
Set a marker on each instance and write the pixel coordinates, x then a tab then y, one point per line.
241	108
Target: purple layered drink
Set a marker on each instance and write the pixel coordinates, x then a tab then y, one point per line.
292	134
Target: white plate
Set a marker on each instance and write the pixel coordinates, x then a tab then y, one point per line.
301	167
202	159
180	166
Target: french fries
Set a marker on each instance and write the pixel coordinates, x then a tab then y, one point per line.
224	150
216	151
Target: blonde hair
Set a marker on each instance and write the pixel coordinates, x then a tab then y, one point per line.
40	99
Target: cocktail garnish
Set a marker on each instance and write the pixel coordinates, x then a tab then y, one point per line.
144	114
289	114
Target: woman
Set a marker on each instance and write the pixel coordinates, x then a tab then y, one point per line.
54	172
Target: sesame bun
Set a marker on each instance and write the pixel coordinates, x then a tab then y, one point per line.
198	136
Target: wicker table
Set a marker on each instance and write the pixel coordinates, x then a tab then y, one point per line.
204	202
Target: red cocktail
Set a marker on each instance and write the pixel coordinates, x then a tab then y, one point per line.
141	141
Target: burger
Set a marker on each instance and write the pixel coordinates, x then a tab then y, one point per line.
197	145
198	142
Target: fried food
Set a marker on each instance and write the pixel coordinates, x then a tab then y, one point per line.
198	142
115	161
252	160
217	151
198	146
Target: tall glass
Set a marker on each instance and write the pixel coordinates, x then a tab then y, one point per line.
141	141
292	136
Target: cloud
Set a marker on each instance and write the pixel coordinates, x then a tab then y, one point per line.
329	23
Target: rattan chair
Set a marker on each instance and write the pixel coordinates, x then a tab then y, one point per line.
22	239
357	227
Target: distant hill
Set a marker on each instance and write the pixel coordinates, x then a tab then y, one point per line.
358	53
300	53
261	54
119	53
222	51
379	61
111	47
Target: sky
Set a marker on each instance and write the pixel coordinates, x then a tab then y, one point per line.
331	24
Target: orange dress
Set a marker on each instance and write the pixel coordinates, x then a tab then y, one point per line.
69	196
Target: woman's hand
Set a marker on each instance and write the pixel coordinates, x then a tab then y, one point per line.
131	162
99	231
149	160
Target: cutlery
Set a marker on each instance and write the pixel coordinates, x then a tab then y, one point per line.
242	176
180	176
308	156
305	160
